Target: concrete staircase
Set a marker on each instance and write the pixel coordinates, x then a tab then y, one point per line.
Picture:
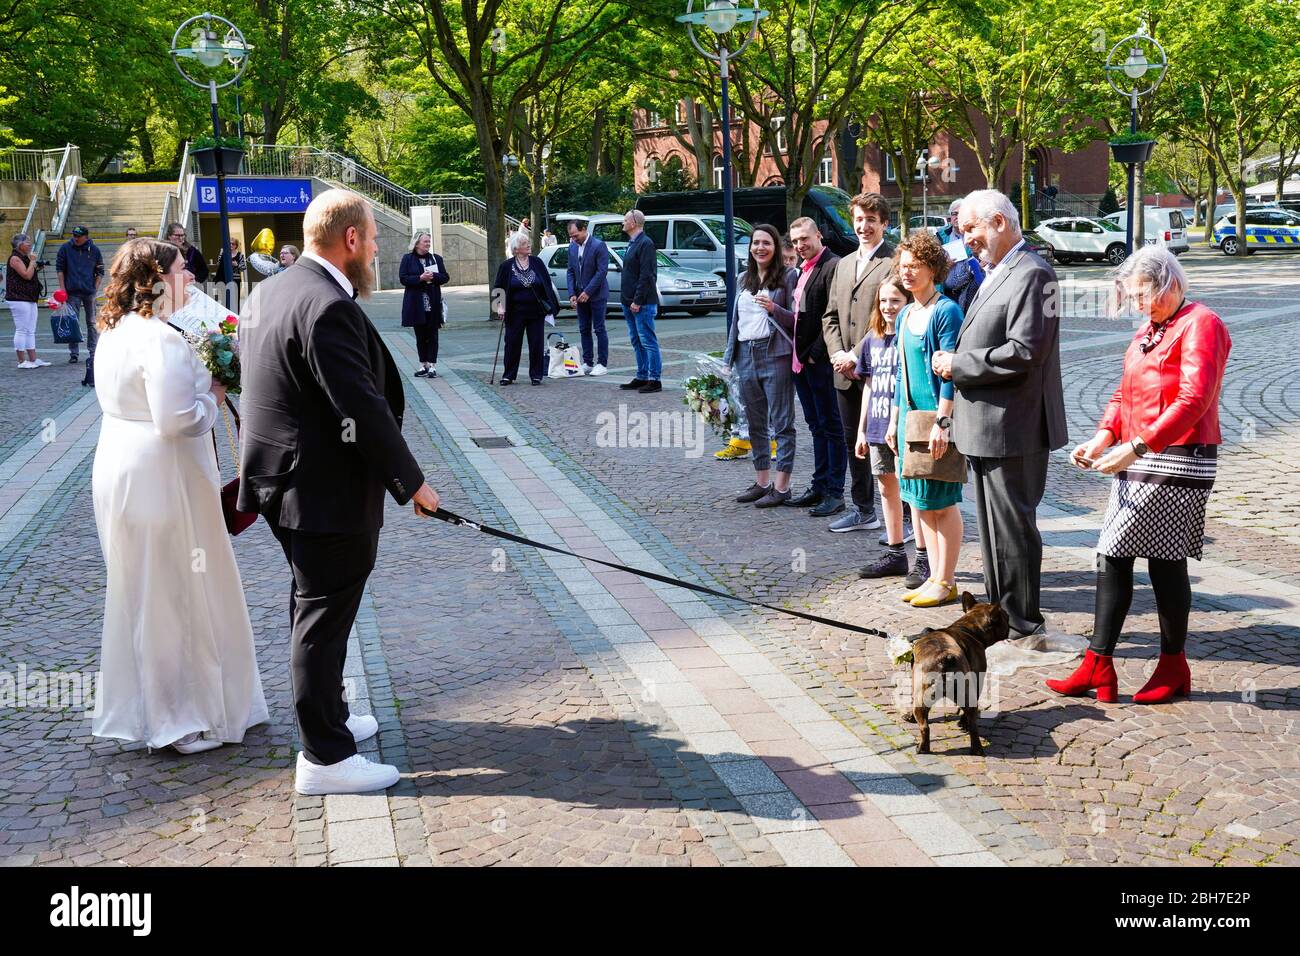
107	209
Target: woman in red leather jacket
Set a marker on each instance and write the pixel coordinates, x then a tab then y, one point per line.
1163	422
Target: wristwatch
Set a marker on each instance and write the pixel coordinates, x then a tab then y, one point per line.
943	421
1139	447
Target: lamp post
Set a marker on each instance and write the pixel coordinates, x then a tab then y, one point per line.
925	162
720	16
216	42
1137	74
546	188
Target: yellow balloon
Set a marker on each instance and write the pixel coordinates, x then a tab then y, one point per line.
263	242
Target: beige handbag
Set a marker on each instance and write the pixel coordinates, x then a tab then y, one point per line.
917	460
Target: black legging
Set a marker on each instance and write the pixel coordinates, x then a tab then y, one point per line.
1115	595
426	340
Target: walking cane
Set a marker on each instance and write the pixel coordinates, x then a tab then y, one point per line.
495	355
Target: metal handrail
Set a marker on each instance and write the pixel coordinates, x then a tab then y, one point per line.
66	181
288	160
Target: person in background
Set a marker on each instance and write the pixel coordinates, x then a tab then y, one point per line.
80	267
1162	431
131	233
929	325
524	296
588	287
423	274
878	365
788	255
949	232
237	266
966	274
22	289
289	255
760	344
639	294
195	264
853	302
814	378
548	239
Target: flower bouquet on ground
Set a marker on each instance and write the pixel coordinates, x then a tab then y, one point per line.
708	395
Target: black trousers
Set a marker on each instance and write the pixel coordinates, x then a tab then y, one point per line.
862	486
329	578
1173	592
1007	493
426	340
534	327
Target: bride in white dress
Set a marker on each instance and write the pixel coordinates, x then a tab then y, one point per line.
178	664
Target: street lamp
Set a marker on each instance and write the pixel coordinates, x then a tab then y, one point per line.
1138	73
720	16
212	49
925	162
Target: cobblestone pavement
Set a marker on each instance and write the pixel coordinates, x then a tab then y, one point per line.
547	711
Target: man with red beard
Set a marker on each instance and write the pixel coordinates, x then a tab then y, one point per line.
322	411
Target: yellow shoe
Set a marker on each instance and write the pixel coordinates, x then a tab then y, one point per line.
936	594
908	595
736	448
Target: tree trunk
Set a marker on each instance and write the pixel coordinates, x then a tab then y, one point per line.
147	154
595	148
1140	219
1026	210
904	176
1211	202
1238	187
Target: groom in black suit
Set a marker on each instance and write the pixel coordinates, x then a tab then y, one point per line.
322	441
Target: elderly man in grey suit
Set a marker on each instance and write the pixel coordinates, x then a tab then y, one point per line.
1009	413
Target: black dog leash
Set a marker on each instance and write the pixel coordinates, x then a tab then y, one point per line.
451	518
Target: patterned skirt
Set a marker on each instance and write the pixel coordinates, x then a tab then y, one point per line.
1157	505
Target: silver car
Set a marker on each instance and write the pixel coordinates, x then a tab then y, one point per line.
680	290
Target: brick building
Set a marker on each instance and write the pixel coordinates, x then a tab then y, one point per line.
1080	176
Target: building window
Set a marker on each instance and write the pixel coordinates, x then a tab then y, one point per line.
890	175
654	120
825	172
719	173
651	170
778	129
681	112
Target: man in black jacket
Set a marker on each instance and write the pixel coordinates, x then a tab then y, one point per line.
322	440
814	379
639	294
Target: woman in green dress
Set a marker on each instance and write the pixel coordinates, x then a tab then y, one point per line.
928	325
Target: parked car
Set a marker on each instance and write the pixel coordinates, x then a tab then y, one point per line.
825	205
683	290
1037	244
689	240
931	223
1164	227
1265	228
1075	238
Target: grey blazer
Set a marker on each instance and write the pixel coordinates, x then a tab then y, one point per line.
781	322
1007	367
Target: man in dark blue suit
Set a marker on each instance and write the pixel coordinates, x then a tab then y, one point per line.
589	292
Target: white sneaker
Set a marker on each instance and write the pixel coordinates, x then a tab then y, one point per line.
599	370
354	775
362	727
586	369
41	363
27	365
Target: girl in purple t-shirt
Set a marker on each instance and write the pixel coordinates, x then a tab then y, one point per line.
878	362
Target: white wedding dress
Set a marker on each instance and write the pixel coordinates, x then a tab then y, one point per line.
178	652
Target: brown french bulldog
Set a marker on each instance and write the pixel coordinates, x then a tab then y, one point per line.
950	663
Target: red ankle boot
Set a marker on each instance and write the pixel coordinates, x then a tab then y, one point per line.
1097	672
1172	678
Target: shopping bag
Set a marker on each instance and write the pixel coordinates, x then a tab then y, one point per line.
566	361
64	325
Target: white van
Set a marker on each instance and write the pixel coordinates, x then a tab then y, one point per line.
1164	227
692	241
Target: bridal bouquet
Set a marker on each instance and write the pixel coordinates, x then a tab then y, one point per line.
707	395
219	351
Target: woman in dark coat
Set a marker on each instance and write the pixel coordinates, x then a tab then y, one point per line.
523	296
423	273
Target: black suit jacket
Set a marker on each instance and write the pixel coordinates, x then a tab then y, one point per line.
809	340
321	408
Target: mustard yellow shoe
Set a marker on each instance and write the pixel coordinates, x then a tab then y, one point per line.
908	595
936	594
736	448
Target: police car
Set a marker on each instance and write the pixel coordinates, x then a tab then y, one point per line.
1266	228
